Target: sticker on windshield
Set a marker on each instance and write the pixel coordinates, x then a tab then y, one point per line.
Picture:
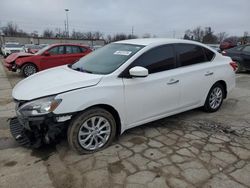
126	53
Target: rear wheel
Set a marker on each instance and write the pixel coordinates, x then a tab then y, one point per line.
91	131
28	69
215	98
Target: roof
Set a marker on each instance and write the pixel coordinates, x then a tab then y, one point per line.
68	44
155	41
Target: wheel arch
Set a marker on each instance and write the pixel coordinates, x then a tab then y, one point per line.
224	84
25	63
111	110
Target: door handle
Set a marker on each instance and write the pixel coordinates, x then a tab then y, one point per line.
173	81
209	73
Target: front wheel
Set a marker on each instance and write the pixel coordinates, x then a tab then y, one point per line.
28	69
91	131
215	98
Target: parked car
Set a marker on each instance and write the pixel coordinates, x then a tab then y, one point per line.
32	48
12	47
117	87
215	46
48	57
241	55
227	44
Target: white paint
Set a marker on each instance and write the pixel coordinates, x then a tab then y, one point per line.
137	100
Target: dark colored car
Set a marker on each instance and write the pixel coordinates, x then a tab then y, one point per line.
227	44
241	55
48	57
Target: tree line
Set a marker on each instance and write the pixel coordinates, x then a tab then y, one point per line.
208	36
204	35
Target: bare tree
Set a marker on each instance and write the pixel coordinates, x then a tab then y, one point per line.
77	35
209	37
11	29
47	33
97	35
198	34
221	36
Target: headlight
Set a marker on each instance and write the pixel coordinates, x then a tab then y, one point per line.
39	106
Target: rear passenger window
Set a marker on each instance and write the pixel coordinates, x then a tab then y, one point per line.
209	54
158	59
72	50
190	54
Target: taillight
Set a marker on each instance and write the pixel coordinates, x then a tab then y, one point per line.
234	66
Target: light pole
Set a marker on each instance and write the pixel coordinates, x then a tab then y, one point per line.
67	21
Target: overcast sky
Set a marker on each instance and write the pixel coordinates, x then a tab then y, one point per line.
164	18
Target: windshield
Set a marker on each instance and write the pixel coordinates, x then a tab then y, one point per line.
13	45
106	59
42	50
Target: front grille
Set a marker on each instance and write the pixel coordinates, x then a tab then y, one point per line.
17	132
14	51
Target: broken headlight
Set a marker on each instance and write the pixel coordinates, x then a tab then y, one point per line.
39	107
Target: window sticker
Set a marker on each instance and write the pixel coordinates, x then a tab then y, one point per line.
126	53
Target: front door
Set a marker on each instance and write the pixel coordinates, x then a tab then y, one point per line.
158	93
54	58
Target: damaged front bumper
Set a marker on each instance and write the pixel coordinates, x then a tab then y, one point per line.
35	131
11	66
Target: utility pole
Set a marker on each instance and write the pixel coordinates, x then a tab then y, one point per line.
65	26
132	31
67	21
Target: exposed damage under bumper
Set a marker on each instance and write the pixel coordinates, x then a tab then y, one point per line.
33	132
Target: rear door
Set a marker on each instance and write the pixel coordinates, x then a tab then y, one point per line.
158	93
196	73
55	57
73	54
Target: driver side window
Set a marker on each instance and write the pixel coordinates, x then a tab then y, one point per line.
158	59
58	50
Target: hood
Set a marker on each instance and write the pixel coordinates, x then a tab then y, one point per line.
53	81
14	56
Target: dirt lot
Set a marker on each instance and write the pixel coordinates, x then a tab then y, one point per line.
192	149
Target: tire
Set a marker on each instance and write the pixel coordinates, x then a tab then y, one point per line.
28	69
214	98
84	138
239	67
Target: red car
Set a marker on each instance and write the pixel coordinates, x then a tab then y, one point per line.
48	57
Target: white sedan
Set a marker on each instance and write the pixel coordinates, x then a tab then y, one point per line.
120	86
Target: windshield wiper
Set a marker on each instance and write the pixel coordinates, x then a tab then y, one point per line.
81	70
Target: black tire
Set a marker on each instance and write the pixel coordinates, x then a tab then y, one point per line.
208	107
77	125
28	69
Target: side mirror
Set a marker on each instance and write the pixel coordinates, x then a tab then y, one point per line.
46	53
138	72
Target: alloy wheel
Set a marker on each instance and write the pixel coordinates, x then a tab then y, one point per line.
94	133
29	70
215	98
